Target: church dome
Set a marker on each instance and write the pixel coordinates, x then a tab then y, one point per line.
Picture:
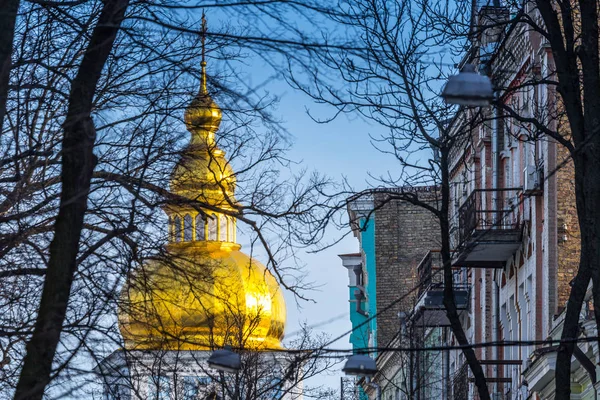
203	292
205	295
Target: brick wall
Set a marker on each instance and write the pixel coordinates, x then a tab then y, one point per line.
404	234
567	226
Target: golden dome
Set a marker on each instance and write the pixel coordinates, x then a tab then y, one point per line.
204	292
206	295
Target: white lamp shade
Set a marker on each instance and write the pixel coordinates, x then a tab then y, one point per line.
468	88
360	364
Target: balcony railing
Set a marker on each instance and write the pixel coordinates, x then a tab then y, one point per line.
486	210
430	309
431	274
489	228
460	383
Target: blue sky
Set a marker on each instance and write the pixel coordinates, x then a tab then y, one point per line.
342	149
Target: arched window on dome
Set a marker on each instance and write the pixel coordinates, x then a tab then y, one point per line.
187	228
223	228
200	228
232	230
177	229
212	227
229	223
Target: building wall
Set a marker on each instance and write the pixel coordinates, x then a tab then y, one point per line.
367	242
404	234
359	338
523	296
394	237
533	284
186	375
567	226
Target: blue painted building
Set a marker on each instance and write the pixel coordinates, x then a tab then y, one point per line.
362	277
394	236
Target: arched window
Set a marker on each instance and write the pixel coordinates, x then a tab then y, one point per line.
223	228
187	228
177	229
200	227
212	227
232	229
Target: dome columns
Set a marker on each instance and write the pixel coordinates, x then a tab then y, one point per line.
194	226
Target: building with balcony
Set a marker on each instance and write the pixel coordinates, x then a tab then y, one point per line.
514	218
429	310
514	241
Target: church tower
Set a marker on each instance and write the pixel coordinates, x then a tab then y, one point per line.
204	292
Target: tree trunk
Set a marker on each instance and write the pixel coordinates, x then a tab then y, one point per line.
449	300
78	162
8	17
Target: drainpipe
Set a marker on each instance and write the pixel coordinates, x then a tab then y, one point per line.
519	321
496	158
445	366
496	185
495	326
359	297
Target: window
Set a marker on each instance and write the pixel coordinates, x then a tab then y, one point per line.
212	227
232	230
223	228
116	392
187	228
170	228
200	227
177	229
270	389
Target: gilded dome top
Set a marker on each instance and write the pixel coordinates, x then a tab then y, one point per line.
202	292
204	175
203	113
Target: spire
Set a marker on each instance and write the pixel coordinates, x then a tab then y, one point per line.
203	172
203	115
203	89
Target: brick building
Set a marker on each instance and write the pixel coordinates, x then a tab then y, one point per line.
516	231
515	238
394	238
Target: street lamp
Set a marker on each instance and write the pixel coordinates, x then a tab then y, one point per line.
468	88
225	360
360	364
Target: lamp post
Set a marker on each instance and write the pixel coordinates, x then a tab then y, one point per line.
468	88
225	360
360	364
